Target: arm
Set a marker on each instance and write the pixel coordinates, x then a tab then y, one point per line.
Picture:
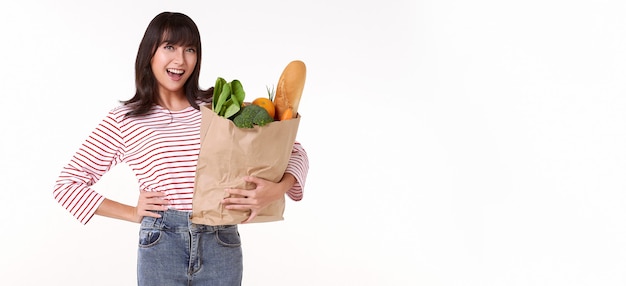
147	201
298	168
98	153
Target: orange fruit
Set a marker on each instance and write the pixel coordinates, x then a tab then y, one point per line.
267	104
288	114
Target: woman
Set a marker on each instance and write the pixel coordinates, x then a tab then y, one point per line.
156	133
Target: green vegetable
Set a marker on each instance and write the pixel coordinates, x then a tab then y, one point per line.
251	115
227	97
270	93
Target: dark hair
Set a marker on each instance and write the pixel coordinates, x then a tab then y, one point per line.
175	28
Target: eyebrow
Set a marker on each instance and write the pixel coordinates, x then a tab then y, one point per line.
167	42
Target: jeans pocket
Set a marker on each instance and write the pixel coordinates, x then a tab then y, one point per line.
149	237
228	236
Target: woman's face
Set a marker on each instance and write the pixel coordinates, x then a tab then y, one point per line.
172	65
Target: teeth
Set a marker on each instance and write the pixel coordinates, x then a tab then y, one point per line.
176	71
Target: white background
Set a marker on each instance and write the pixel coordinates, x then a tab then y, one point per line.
450	142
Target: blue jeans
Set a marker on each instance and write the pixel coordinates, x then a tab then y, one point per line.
174	251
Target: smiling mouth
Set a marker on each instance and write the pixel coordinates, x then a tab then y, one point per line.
175	72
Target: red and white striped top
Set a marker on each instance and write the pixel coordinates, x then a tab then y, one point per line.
160	147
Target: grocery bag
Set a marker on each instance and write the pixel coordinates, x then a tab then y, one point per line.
229	153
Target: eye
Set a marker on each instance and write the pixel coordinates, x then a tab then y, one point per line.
190	50
168	47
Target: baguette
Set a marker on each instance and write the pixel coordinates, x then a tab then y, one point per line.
289	89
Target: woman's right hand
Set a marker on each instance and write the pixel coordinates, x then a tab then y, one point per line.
148	202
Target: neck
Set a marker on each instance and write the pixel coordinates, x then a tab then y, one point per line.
173	102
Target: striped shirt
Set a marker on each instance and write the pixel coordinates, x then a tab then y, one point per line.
160	147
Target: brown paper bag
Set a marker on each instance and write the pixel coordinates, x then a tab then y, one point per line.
229	153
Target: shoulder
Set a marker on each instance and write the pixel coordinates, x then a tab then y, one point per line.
117	113
120	110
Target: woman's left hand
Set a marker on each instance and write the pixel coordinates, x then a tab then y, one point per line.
265	193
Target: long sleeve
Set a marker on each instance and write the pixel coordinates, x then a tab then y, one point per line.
298	166
99	152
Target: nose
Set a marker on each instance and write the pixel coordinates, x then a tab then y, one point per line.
179	56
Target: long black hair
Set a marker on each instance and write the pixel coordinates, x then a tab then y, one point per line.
175	28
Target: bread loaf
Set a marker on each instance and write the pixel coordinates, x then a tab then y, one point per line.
289	88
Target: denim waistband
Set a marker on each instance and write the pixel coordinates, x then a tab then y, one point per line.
175	220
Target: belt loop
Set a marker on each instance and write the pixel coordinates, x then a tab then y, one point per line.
161	220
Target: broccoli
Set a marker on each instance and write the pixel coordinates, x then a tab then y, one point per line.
251	115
